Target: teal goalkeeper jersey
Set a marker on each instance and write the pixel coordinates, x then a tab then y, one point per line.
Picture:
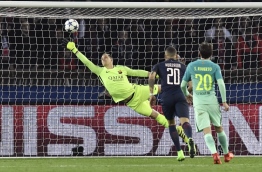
203	74
115	80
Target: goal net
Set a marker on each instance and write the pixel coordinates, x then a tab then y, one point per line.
51	103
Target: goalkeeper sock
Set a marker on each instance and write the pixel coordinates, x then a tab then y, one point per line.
174	136
222	138
187	129
161	119
210	143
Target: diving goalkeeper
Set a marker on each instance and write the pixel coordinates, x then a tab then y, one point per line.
115	80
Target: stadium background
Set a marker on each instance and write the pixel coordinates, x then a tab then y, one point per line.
40	80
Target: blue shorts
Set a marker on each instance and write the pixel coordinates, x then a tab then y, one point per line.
175	105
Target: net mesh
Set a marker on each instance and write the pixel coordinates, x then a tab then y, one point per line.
52	103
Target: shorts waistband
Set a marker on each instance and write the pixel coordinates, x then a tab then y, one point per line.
129	98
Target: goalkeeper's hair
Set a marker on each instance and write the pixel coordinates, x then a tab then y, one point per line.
206	50
171	51
108	54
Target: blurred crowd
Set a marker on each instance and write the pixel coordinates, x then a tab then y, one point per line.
34	43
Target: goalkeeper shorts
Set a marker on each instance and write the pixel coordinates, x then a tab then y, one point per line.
139	102
206	115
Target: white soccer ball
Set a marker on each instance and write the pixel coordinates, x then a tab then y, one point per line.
71	25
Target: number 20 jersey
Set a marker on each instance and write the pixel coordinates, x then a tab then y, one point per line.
170	73
203	74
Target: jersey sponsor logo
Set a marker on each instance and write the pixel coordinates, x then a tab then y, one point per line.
120	72
203	93
116	78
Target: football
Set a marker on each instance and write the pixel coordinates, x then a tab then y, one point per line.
71	25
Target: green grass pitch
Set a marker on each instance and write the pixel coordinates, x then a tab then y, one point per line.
129	164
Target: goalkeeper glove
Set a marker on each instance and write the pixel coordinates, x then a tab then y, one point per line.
69	45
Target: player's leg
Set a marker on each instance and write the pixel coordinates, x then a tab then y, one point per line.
211	145
186	126
222	138
203	124
182	111
189	139
181	131
168	110
216	120
161	119
145	92
145	109
140	104
175	138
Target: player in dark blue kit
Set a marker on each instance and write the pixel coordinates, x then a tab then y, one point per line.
174	103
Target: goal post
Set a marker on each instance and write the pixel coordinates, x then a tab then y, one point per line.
51	103
141	5
131	10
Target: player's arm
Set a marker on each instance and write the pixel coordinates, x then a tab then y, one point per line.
134	72
151	81
185	80
222	87
152	77
190	87
71	46
184	87
189	97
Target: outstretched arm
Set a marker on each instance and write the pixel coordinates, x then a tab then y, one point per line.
71	46
134	72
94	68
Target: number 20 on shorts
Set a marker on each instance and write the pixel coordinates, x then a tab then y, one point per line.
205	80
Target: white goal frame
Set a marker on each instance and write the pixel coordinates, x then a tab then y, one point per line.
233	6
43	4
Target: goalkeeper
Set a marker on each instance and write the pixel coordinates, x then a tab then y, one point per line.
115	80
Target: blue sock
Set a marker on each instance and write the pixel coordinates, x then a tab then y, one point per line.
187	129
174	136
